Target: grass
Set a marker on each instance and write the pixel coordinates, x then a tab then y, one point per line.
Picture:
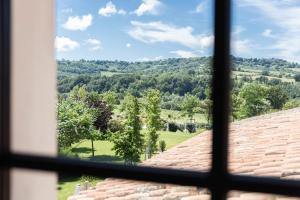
66	187
103	152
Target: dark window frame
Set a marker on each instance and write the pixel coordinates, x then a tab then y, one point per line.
218	180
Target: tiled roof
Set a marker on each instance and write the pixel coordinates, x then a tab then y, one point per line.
267	145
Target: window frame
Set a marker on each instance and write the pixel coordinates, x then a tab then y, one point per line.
218	180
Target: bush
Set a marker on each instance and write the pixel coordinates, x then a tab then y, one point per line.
294	103
173	127
297	77
191	127
162	145
265	73
115	126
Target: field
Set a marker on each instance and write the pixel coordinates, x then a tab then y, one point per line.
104	153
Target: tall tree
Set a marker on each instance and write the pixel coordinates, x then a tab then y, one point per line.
75	122
152	111
254	100
277	96
206	106
190	105
129	144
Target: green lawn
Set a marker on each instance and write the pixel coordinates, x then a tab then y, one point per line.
104	153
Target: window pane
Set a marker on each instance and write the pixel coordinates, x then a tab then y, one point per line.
133	82
264	135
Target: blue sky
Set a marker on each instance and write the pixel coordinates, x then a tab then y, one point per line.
141	30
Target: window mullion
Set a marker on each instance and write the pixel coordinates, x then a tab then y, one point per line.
220	97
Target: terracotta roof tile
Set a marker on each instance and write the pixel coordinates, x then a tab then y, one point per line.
267	145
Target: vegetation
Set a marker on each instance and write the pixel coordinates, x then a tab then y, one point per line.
153	120
129	144
114	111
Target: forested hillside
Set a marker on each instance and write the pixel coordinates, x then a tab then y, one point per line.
176	76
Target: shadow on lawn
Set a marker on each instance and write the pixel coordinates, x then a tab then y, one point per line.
81	150
106	158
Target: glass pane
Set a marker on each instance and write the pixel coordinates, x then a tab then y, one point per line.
264	135
133	82
240	195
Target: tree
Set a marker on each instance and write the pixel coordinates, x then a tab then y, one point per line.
277	96
236	103
75	122
129	144
206	106
152	111
265	73
103	112
110	98
190	105
254	100
297	77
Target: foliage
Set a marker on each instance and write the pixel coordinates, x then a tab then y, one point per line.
190	105
236	102
206	106
265	73
75	122
153	122
254	100
191	127
110	98
294	103
162	145
115	126
173	127
102	109
297	77
277	96
129	144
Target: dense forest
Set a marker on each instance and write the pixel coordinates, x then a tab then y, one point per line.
174	77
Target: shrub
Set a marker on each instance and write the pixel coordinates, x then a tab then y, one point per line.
191	127
173	127
294	103
297	77
265	73
162	145
115	126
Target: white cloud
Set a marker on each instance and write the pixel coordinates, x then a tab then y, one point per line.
110	9
201	6
157	31
184	54
238	30
122	12
64	44
241	46
78	23
284	15
128	45
94	43
267	33
151	7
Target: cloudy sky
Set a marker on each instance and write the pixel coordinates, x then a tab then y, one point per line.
141	30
